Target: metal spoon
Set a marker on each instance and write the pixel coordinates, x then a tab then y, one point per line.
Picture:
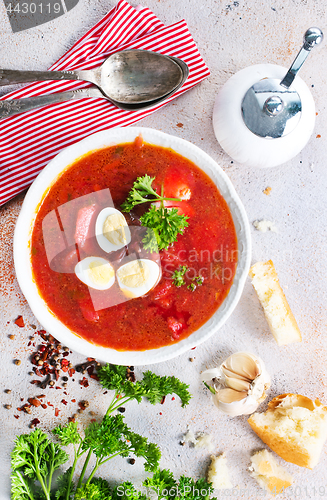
14	106
126	77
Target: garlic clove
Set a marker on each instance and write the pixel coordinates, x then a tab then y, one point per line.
244	364
245	406
238	384
229	395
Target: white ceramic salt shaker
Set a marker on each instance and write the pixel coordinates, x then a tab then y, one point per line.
264	116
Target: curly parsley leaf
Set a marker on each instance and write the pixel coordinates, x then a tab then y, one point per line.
35	458
164	225
165	486
68	434
162	480
157	387
143	192
98	489
152	386
178	276
127	491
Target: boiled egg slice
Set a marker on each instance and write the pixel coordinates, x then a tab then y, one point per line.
138	277
111	230
95	272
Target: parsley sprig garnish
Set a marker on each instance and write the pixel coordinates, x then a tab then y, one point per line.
143	192
164	223
35	457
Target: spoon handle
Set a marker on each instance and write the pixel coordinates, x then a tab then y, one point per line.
312	37
15	106
11	76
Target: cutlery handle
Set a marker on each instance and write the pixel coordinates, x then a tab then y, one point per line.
15	106
11	76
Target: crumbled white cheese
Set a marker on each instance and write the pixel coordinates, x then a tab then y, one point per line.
218	473
265	225
202	440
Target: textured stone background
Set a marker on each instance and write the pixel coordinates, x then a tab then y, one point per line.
230	36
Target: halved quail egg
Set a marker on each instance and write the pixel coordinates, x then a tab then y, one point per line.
138	277
111	230
95	272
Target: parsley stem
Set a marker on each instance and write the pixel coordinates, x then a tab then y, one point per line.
86	463
77	455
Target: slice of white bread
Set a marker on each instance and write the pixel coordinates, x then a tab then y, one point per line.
218	473
295	427
270	476
279	316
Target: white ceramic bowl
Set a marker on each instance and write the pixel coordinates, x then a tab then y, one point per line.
25	225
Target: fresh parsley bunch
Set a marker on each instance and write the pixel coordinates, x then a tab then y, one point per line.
35	457
165	224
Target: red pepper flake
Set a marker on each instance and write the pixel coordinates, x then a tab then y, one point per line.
57	387
64	402
163	400
73	400
64	368
44	406
56	412
49	404
41	396
173	399
35	381
318	137
37	372
105	392
93	420
64	362
193	348
90	359
71	372
34	401
16	416
71	419
35	421
180	125
56	374
65	354
160	413
20	322
94	376
29	344
84	382
22	399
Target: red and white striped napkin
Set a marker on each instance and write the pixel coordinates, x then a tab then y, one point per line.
28	141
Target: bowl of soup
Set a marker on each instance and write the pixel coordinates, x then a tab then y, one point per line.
84	261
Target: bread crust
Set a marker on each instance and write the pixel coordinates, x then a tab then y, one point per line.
305	454
280	319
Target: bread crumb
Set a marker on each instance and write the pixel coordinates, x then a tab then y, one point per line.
267	191
218	473
264	226
202	440
269	475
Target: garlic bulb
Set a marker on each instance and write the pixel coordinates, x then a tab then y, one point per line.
239	384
